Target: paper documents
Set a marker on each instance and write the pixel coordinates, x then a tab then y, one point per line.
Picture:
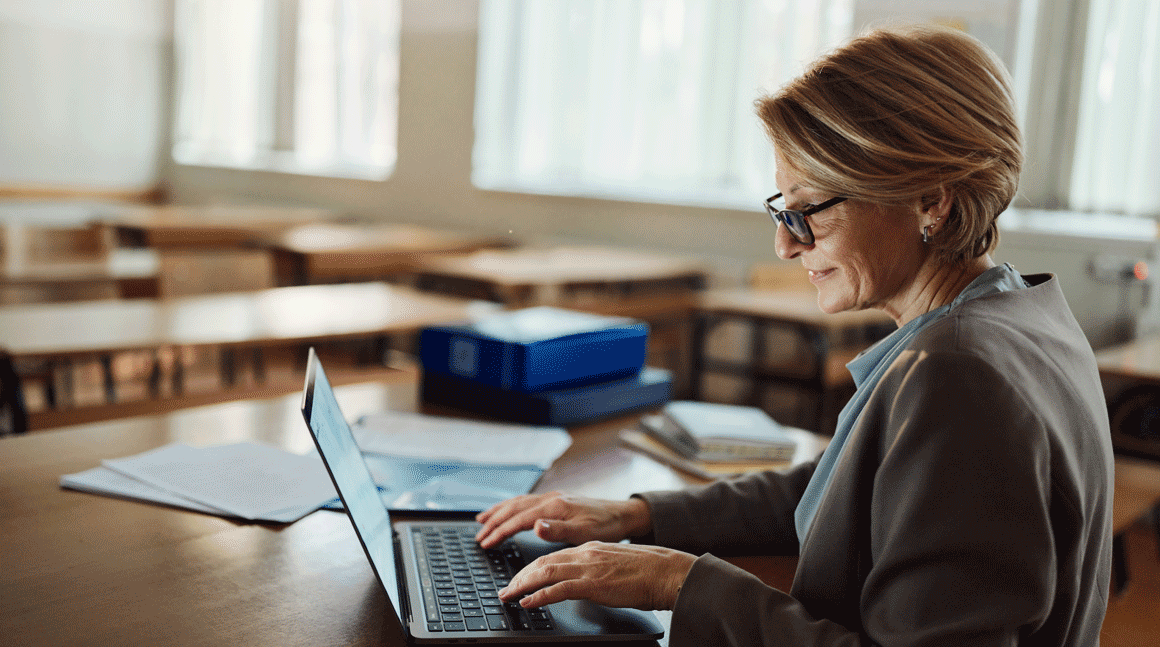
435	438
418	461
245	480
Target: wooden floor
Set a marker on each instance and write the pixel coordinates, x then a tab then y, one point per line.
1133	618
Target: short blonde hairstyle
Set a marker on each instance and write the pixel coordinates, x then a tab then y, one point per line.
896	114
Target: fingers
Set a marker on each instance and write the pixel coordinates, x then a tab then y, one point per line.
643	577
551	578
509	517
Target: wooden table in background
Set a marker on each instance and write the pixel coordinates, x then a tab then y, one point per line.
77	281
1131	376
65	333
82	569
335	252
204	227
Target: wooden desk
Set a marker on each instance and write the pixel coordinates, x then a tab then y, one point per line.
61	334
82	569
1138	361
1131	376
656	288
69	261
795	310
335	252
204	227
76	281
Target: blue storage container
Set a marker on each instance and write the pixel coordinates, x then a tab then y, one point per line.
536	349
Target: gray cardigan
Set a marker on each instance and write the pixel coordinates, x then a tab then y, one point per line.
972	505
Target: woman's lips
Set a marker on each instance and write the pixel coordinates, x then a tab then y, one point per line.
819	275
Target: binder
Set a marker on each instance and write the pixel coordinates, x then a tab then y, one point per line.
536	349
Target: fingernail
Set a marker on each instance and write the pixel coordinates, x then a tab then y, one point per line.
544	524
502	592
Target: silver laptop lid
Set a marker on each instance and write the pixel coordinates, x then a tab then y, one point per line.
352	479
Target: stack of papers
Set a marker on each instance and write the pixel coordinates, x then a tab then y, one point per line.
424	462
420	462
416	435
244	480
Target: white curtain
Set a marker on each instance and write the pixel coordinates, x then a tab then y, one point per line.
1117	153
638	99
303	86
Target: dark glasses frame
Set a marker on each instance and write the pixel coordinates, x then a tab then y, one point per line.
795	221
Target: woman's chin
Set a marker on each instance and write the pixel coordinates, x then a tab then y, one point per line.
831	306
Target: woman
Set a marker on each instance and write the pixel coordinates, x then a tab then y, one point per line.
965	496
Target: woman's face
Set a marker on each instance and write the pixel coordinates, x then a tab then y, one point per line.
863	255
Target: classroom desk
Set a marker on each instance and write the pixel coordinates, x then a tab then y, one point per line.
793	309
1131	376
335	252
66	262
82	569
65	333
76	281
1137	361
657	288
203	227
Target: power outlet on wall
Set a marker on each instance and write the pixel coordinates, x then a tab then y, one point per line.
1118	270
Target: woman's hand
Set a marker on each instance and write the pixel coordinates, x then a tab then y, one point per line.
559	517
615	575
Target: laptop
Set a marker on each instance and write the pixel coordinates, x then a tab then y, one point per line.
441	584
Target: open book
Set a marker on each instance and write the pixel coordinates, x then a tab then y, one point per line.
720	433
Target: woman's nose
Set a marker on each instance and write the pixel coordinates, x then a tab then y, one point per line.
786	246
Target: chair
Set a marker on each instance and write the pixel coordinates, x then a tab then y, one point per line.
13	414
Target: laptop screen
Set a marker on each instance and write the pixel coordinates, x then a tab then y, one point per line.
351	478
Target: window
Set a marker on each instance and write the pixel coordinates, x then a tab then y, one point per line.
638	99
1117	148
299	86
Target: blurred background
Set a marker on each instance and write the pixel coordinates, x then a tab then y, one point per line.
623	124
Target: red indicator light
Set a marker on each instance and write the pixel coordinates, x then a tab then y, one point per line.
1140	270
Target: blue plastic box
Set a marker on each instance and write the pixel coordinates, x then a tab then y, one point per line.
537	349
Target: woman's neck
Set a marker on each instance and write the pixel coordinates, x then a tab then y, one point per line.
939	285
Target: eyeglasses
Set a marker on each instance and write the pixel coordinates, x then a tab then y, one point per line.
795	221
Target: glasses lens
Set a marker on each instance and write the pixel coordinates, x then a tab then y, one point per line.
794	221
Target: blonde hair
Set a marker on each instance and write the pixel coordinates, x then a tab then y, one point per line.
897	114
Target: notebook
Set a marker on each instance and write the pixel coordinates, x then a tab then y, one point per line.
441	588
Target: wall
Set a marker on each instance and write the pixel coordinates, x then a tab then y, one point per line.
431	185
84	85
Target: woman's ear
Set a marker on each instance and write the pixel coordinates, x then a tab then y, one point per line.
935	205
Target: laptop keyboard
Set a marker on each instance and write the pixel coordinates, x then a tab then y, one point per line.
459	581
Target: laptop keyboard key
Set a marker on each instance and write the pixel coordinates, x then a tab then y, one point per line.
453	626
497	622
475	624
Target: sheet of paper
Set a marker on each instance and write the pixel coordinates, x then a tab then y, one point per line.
102	480
416	435
248	480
